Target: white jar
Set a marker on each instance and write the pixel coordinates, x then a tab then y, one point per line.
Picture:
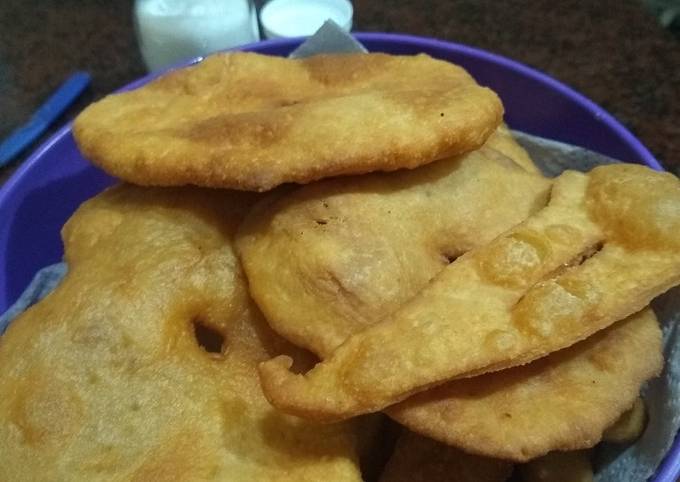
301	18
172	30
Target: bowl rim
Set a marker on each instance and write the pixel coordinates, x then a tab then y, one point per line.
669	468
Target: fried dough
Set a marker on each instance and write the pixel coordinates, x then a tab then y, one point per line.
560	402
503	141
267	232
104	380
559	467
526	294
419	459
629	426
250	121
329	259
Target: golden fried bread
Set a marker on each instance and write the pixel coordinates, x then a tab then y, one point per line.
560	402
104	380
629	426
503	141
559	467
329	259
419	459
250	121
604	246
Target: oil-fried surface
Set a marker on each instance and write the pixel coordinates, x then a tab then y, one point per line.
419	459
509	302
104	379
561	402
629	426
559	467
250	121
329	259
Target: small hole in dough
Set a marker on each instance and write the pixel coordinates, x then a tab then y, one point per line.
449	258
588	253
208	338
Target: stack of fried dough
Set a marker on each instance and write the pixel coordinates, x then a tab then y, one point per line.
398	253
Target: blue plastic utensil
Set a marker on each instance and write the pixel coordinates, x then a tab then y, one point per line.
53	107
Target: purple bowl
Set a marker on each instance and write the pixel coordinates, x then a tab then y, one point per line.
44	192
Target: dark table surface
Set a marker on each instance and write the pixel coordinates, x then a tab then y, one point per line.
613	51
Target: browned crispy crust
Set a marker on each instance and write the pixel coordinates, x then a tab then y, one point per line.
604	246
419	459
561	402
104	379
329	259
250	121
572	466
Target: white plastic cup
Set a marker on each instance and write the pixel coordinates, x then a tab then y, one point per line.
173	30
301	18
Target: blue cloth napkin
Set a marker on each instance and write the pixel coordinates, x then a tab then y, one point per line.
42	284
